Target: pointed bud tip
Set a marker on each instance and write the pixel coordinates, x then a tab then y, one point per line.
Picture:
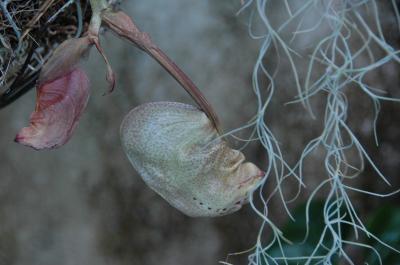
18	138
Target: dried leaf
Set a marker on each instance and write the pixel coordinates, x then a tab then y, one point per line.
176	150
59	105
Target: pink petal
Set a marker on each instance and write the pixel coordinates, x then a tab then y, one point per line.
64	59
59	106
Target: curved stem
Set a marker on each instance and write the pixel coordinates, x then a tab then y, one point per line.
185	82
123	25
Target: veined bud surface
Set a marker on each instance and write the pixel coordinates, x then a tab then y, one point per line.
178	153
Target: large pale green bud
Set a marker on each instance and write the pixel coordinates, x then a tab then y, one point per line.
177	151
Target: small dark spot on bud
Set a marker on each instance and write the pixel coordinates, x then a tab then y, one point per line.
201	203
209	208
194	198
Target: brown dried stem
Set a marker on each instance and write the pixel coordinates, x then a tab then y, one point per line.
122	24
42	10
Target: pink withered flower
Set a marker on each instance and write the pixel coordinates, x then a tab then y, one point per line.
59	106
62	94
63	88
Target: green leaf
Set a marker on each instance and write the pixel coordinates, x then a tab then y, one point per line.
384	224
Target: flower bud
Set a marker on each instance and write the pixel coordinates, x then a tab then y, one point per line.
178	153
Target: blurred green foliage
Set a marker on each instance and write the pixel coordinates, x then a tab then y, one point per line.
384	223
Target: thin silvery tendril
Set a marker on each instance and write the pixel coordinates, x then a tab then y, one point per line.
340	58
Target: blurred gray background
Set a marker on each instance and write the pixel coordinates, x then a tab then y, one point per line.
84	203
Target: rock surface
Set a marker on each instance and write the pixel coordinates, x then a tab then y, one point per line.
83	203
